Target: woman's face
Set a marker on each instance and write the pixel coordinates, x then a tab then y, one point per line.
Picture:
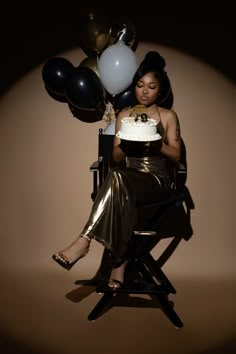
146	89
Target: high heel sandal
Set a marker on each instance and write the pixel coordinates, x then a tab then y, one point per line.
116	284
63	261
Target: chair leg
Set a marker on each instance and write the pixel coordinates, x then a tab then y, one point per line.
144	272
168	252
150	262
168	310
100	306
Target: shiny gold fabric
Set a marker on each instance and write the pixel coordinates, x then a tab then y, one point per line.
113	215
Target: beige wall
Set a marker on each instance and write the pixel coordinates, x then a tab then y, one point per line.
46	153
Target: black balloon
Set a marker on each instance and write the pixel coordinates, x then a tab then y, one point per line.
123	100
55	73
84	89
88	115
59	98
124	28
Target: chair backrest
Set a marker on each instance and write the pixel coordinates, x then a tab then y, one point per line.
105	147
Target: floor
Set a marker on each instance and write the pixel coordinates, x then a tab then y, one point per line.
43	311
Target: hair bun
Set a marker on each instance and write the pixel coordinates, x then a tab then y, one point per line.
154	59
152	62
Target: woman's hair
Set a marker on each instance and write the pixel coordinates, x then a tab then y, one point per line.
154	62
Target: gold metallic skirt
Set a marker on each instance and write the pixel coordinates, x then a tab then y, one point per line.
143	181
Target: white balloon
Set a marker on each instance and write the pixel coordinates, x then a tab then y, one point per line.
117	66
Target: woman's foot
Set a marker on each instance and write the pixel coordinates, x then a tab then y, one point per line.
116	280
70	255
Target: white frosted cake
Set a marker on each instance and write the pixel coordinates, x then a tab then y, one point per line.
135	129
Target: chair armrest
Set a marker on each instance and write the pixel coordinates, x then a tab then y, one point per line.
95	166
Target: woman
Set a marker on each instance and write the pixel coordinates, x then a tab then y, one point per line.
146	177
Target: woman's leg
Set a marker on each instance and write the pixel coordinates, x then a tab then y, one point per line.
113	215
108	223
116	280
75	251
145	189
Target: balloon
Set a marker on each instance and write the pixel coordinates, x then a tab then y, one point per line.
91	63
88	115
93	36
117	66
55	73
125	26
59	98
124	99
84	89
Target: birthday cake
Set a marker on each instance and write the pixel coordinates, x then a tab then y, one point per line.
138	128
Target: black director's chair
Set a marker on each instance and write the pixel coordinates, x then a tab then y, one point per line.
144	274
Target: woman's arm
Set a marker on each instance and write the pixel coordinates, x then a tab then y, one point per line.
171	145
